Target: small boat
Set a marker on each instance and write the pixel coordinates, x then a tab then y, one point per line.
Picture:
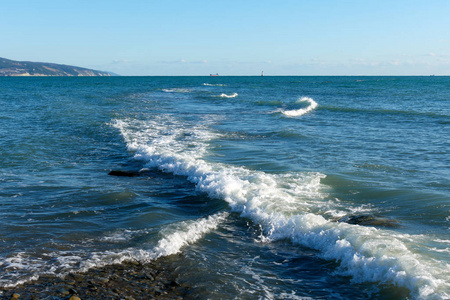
217	74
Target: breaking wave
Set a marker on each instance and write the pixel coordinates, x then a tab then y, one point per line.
174	238
301	111
176	90
223	95
217	84
285	207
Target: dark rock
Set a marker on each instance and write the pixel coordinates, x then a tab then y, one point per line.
71	282
129	280
64	292
370	220
123	173
72	291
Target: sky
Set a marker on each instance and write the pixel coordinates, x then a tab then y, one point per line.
232	37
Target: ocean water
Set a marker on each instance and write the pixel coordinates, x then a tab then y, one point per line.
250	187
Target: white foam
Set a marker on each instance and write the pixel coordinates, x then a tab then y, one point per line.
123	235
173	239
285	207
19	268
217	84
223	95
186	233
300	112
176	90
442	241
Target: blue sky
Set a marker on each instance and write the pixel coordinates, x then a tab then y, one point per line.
281	37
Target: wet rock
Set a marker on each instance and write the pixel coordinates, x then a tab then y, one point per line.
77	277
71	282
124	281
370	220
149	277
15	296
64	292
123	173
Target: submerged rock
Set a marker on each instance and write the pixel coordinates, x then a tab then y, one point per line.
123	173
370	220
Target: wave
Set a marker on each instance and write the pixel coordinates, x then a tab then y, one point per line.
217	84
187	233
174	238
285	206
176	90
300	112
223	95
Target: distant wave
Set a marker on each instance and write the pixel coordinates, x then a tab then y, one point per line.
217	84
176	90
300	112
234	95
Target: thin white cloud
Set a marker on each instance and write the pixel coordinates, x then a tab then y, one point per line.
120	61
184	61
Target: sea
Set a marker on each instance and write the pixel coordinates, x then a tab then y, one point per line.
247	187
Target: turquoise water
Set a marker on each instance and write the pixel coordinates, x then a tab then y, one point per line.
252	187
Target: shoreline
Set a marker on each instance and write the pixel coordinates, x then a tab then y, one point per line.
129	280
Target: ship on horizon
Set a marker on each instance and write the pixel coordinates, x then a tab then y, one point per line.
217	74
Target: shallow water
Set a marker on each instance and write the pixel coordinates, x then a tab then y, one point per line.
244	183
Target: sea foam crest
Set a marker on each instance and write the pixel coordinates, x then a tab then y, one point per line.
174	238
186	233
176	90
216	84
223	95
300	112
283	205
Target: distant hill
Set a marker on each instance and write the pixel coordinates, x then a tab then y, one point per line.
28	68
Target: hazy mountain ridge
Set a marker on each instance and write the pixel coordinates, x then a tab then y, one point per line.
27	68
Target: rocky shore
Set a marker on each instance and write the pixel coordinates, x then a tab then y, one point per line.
128	281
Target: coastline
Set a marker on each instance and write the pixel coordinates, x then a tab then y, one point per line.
129	280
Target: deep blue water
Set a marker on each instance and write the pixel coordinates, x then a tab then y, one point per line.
249	186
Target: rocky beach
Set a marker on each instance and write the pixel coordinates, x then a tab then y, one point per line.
130	280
